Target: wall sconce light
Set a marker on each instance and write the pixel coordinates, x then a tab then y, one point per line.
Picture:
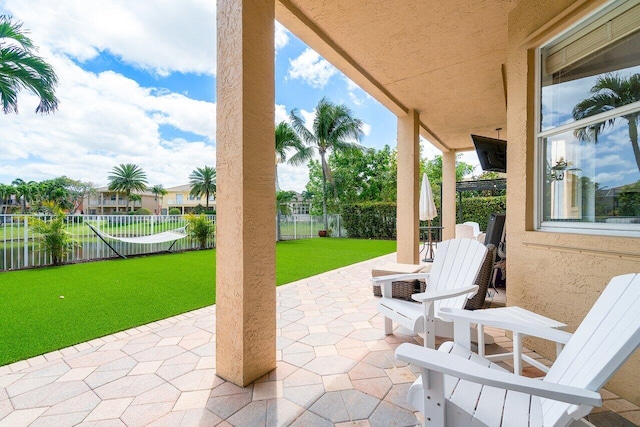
558	170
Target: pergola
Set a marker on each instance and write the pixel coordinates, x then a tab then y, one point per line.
478	185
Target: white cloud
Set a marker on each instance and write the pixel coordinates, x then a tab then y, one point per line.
608	178
366	129
312	69
281	114
356	94
163	36
281	38
293	177
104	120
308	117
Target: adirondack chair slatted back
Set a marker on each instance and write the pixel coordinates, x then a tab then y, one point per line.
607	336
456	264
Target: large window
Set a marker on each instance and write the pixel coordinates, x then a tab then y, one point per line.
588	148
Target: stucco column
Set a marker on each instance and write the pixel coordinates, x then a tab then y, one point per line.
448	194
408	188
246	207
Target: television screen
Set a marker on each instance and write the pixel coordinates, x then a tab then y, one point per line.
492	153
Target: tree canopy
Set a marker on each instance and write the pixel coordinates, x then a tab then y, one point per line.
369	175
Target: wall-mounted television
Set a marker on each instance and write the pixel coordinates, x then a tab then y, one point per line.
492	153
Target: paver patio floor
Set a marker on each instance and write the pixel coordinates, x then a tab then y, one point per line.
335	366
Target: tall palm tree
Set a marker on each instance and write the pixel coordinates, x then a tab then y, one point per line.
334	128
5	194
203	182
24	191
159	191
287	139
126	178
610	91
21	69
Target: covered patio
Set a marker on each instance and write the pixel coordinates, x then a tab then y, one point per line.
335	367
446	70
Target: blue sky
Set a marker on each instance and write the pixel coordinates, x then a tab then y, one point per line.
135	87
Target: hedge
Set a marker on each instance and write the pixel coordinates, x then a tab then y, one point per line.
478	209
371	220
377	220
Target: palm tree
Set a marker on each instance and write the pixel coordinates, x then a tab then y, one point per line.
24	191
287	139
203	182
610	91
20	68
127	178
5	194
334	128
159	191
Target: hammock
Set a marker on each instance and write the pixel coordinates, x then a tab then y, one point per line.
165	236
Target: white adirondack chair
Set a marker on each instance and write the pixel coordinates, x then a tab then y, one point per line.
464	389
475	226
449	284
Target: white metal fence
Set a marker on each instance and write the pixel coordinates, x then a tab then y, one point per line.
293	227
20	249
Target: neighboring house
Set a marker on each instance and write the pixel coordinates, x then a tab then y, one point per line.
9	205
179	197
105	202
299	206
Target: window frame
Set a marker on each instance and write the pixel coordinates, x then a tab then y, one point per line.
575	227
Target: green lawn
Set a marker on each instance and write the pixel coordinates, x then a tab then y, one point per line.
104	297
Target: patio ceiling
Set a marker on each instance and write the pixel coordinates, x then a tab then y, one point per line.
443	58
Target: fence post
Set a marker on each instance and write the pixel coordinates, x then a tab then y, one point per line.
26	242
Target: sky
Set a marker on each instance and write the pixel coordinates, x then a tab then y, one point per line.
137	85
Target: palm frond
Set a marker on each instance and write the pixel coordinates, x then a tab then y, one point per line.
21	69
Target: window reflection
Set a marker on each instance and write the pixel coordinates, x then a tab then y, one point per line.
564	88
590	181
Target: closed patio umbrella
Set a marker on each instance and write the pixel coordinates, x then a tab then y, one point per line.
428	211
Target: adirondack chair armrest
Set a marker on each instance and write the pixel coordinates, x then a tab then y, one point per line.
459	367
509	324
431	296
395	277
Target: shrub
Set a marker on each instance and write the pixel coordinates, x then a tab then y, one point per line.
478	209
372	220
174	211
52	235
143	211
200	228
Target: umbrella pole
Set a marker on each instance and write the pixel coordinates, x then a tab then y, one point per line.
429	257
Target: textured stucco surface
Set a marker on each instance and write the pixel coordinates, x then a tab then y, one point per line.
408	188
245	256
554	274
